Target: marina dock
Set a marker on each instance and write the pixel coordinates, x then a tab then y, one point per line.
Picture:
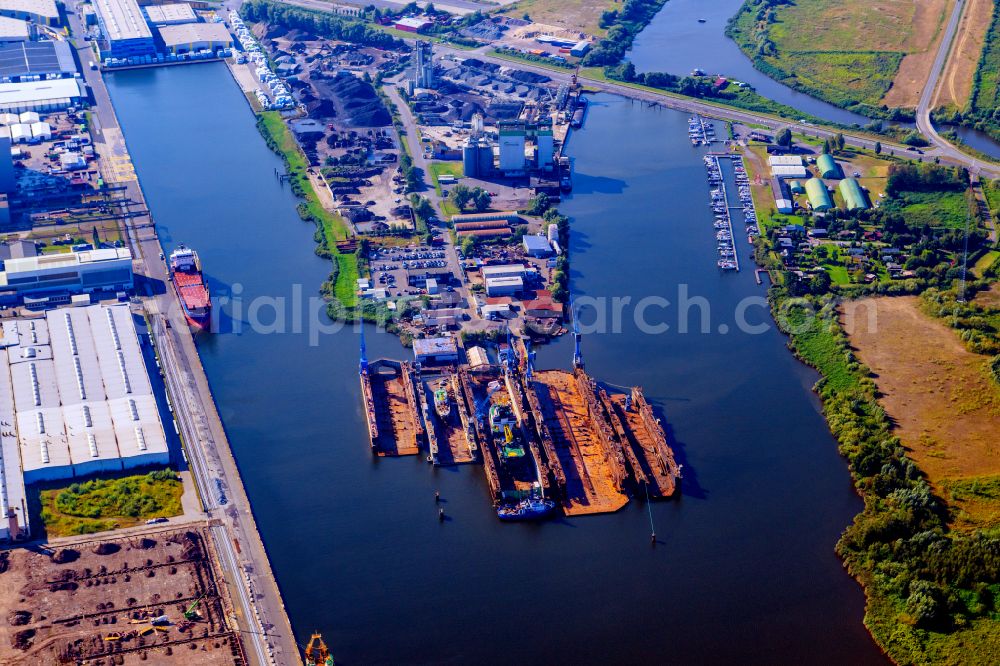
728	259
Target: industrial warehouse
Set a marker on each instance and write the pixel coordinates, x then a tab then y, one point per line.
75	399
43	12
52	278
134	36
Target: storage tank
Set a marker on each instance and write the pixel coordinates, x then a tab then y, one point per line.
828	167
819	196
470	158
854	196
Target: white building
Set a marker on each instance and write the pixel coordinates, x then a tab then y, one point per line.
788	171
37	11
13	30
505	270
170	14
50	95
76	387
189	37
784	160
504	286
107	269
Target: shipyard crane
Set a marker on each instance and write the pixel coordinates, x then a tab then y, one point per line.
363	363
577	354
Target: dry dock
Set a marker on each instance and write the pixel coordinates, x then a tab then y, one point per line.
451	431
583	441
391	408
643	442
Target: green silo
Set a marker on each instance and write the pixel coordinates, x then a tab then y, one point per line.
819	197
828	167
853	195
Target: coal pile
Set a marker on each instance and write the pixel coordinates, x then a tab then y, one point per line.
527	77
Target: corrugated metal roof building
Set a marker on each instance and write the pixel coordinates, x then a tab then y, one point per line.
819	196
782	171
828	167
784	160
854	196
81	395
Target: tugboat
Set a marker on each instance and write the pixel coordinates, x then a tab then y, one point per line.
185	271
442	404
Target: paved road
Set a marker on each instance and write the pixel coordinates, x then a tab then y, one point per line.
262	618
943	150
947	151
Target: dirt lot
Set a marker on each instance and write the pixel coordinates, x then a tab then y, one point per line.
572	15
922	43
94	602
946	408
989	297
956	84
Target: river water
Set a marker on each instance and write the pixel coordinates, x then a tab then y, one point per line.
676	42
744	569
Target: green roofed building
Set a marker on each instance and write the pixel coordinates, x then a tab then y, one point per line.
828	167
819	196
853	195
796	187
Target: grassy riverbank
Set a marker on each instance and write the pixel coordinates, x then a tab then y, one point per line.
850	54
330	226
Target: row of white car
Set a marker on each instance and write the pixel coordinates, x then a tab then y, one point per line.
282	98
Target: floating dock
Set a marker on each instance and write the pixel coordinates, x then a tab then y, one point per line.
391	408
546	439
583	442
643	441
451	432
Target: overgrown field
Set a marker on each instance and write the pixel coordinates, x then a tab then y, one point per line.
847	53
99	505
947	210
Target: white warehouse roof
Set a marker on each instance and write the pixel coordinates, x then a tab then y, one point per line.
123	19
13	30
36	93
43	8
784	160
81	397
178	12
194	33
789	171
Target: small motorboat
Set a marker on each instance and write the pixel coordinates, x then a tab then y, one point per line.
534	508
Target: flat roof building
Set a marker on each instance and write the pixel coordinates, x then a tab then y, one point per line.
170	14
38	11
788	171
80	393
51	95
45	59
536	246
107	269
784	160
412	24
189	37
504	270
435	350
504	286
125	33
14	30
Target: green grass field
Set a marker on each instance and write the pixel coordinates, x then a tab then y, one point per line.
103	504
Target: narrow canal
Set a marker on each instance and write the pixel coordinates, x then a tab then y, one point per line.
745	569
